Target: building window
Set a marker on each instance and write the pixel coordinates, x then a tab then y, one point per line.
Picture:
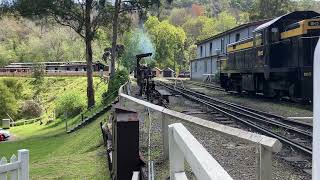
201	51
56	69
76	69
85	69
196	66
68	69
222	45
205	66
211	48
237	37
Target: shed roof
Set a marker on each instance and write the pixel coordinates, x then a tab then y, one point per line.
156	68
168	69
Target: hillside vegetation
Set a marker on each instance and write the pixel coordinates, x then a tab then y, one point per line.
54	154
48	94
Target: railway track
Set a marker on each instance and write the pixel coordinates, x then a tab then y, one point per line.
296	135
210	86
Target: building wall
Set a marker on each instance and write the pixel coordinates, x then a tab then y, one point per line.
203	66
210	49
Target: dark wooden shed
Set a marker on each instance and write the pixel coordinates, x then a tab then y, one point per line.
168	72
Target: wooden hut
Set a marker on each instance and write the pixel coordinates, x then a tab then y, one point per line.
168	72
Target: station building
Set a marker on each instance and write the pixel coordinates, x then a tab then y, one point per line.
212	51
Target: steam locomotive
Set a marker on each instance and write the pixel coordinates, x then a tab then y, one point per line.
277	60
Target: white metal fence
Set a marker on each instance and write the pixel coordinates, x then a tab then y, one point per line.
183	146
265	145
16	168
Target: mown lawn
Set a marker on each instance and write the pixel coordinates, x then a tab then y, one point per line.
57	155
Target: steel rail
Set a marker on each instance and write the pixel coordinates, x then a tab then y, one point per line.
207	85
303	148
260	112
252	115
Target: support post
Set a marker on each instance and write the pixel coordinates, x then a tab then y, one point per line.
176	159
23	156
165	136
316	115
265	164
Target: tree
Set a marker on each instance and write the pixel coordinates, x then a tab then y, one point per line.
127	6
135	42
179	16
8	102
264	9
168	40
83	16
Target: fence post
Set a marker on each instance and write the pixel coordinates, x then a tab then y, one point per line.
316	114
176	159
165	141
23	156
265	164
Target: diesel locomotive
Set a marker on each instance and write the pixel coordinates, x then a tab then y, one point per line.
277	60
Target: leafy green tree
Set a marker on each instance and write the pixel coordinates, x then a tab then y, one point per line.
135	42
14	86
179	16
70	104
264	9
84	17
168	40
225	21
8	103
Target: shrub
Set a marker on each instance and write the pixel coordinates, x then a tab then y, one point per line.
8	103
70	104
31	109
14	86
120	77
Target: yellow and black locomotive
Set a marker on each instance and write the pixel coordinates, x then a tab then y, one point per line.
277	60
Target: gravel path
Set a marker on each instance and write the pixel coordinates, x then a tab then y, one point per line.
237	157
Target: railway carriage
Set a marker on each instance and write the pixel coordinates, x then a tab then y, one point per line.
277	60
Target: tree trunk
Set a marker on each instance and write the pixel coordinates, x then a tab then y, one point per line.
114	37
88	41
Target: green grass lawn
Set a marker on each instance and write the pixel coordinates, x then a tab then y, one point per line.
53	153
57	155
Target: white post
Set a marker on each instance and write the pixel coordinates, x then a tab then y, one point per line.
316	115
23	156
165	135
176	159
265	164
